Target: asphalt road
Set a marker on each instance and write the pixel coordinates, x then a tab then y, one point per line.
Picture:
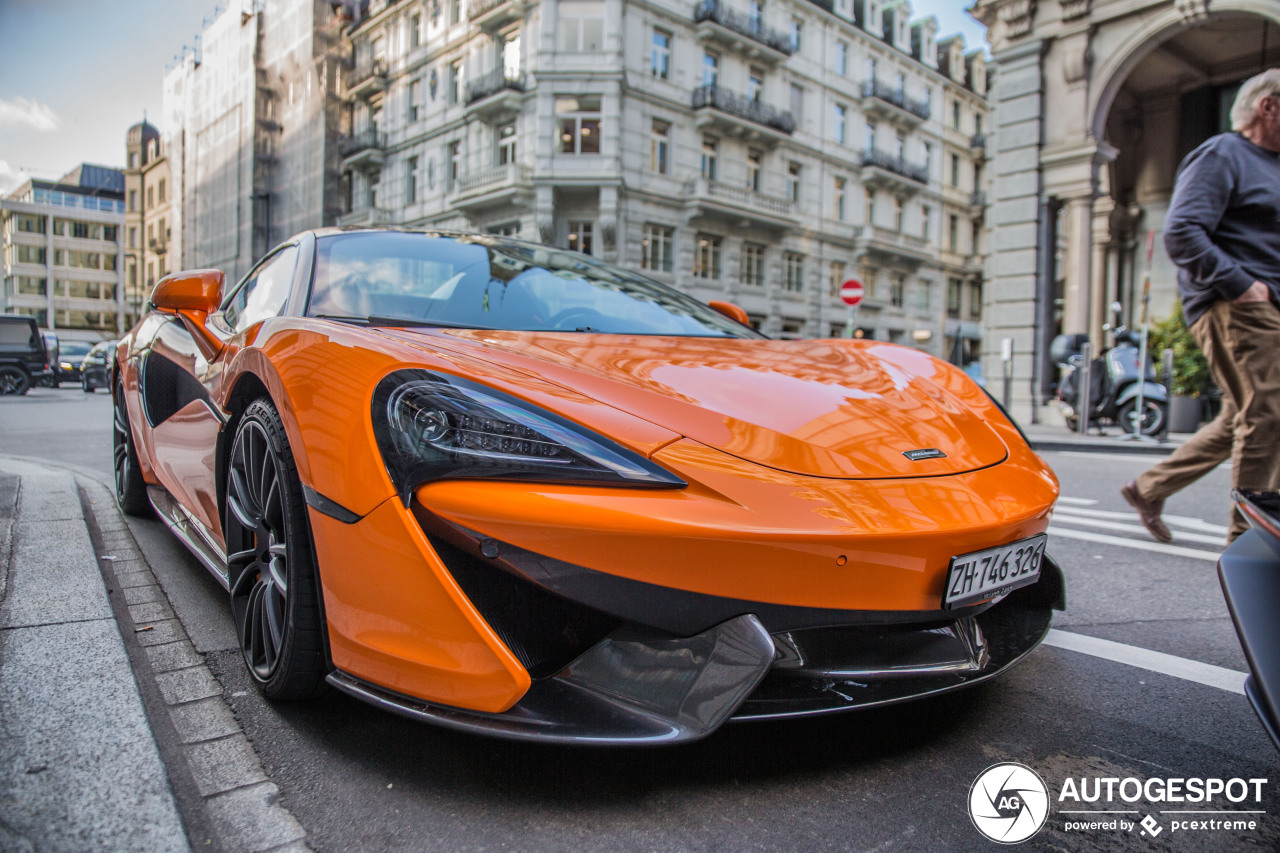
892	779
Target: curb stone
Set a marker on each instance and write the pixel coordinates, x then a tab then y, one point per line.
223	793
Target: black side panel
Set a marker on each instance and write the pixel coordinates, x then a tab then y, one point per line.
166	388
1250	575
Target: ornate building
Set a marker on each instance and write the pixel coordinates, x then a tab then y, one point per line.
761	153
151	243
1095	104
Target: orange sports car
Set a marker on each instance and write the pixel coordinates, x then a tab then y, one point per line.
512	489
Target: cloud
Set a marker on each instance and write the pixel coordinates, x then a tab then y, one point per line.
21	111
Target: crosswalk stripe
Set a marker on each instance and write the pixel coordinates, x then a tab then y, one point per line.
1137	544
1188	670
1180	535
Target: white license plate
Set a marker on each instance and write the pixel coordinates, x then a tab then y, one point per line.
995	571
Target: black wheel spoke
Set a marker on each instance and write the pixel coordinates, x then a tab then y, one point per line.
276	568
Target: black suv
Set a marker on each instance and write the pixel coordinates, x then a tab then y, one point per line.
22	355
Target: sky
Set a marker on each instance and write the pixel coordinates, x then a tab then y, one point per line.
78	73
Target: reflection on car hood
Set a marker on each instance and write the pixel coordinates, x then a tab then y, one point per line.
823	408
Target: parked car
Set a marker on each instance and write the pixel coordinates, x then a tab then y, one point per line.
70	354
512	489
23	360
50	379
93	367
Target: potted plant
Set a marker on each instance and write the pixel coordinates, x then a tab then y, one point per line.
1190	378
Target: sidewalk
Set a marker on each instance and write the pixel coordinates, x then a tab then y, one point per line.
1052	434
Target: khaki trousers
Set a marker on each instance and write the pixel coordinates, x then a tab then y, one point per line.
1242	345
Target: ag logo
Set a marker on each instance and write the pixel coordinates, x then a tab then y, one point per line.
1008	803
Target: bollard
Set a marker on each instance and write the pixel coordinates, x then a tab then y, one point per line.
1006	367
1082	399
1166	370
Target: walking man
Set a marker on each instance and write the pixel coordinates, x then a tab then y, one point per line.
1223	232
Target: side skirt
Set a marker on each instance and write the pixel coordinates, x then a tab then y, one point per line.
190	532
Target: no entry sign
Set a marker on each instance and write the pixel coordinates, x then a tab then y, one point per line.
851	292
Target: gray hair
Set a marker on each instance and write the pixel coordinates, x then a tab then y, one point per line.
1245	108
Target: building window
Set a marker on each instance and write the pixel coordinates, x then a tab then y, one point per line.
870	211
659	145
953	298
837	198
579	124
706	257
133	237
839	123
797	34
161	192
710	68
151	197
835	278
411	182
926	154
871	68
415	30
869	137
375	181
455	81
842	58
755	159
581	25
792	272
902	83
506	144
455	166
975	237
755	84
133	200
897	289
506	229
656	248
953	232
926	221
415	98
133	159
710	157
753	264
793	182
955	170
975	300
924	297
755	14
955	114
869	275
797	102
660	58
455	11
580	237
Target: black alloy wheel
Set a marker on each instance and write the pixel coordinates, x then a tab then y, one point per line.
13	380
131	489
271	571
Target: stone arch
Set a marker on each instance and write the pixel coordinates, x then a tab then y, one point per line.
1155	30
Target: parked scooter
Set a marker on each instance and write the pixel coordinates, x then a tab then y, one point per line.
1113	384
1250	573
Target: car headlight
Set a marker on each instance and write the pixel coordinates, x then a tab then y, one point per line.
434	426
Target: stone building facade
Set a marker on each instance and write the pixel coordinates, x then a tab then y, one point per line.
1095	104
761	153
151	243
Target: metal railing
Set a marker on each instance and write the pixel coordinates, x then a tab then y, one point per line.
896	164
889	94
82	202
978	140
743	107
743	24
493	82
743	196
376	68
362	141
978	198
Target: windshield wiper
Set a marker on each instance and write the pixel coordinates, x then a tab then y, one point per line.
408	322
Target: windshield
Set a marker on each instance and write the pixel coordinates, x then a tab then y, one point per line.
76	347
385	277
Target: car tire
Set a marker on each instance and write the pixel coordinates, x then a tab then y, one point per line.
86	387
14	380
131	489
271	567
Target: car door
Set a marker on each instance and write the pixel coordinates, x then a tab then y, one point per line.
181	387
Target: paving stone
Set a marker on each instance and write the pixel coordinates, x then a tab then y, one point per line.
223	764
248	819
172	656
160	632
143	594
132	579
204	720
187	685
152	611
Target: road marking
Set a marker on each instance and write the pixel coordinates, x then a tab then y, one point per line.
1176	520
1188	670
1077	501
1137	544
1099	524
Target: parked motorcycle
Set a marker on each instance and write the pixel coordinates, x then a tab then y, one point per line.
1250	573
1114	383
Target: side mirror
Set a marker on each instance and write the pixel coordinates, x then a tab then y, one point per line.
194	290
192	296
733	312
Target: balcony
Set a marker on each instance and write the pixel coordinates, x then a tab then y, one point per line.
495	94
368	79
741	207
881	168
739	115
364	149
158	245
978	198
978	142
740	32
894	248
893	103
505	185
494	13
365	216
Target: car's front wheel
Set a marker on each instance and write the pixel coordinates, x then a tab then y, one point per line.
13	380
274	592
131	489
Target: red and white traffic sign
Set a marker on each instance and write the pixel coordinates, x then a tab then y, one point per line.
852	291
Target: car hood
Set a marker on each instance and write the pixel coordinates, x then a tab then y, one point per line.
823	408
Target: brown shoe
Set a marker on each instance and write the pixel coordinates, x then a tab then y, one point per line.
1148	512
